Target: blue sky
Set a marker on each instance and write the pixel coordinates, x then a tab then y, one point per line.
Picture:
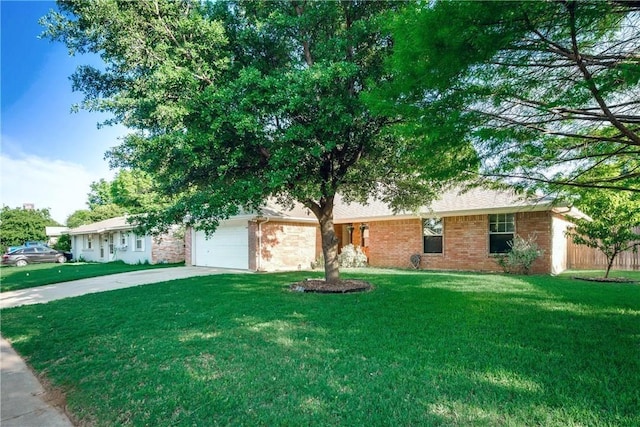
49	156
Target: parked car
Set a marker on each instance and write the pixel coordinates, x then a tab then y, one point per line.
33	254
26	245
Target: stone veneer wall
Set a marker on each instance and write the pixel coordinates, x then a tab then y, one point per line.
285	246
188	242
169	247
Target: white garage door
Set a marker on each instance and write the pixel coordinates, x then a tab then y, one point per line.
228	247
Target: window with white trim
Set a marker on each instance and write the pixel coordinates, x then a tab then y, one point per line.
139	243
432	235
502	228
111	244
89	242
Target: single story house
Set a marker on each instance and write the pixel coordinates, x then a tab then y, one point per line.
459	231
114	239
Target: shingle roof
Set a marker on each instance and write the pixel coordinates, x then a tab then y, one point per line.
454	202
117	223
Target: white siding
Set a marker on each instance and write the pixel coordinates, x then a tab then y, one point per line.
558	245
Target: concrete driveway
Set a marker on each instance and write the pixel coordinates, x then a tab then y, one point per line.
24	402
43	294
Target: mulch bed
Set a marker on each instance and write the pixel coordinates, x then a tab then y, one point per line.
320	286
605	279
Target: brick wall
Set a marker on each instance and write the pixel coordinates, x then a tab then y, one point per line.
169	247
253	245
537	225
391	243
285	246
465	244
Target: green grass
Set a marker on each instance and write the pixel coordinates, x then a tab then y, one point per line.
15	278
421	349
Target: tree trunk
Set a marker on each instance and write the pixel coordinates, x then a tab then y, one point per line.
330	250
324	212
609	265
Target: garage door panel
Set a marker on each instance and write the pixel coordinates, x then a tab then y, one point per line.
228	247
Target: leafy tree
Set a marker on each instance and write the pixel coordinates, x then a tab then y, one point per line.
548	92
129	192
615	222
134	190
100	194
18	225
238	102
98	213
63	243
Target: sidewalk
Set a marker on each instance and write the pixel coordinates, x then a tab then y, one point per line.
23	400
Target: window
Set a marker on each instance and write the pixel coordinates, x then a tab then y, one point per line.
89	241
111	245
139	243
432	235
501	232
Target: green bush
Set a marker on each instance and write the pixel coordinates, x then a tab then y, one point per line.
63	243
522	255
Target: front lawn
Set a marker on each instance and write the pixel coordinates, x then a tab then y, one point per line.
14	278
421	349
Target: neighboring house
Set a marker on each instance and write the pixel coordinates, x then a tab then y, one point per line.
460	231
114	239
54	233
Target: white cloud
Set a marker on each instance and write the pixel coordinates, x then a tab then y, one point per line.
58	185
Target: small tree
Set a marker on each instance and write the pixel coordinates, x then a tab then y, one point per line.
613	228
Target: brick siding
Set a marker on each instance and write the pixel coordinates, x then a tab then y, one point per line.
465	242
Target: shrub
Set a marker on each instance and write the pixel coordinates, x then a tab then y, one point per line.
352	256
63	243
522	255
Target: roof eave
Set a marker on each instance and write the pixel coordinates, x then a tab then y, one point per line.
443	214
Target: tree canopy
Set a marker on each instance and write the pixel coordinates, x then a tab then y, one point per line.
237	102
18	225
130	192
547	92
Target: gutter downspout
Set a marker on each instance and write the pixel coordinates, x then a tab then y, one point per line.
259	258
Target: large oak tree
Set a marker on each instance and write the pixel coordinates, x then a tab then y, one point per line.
237	102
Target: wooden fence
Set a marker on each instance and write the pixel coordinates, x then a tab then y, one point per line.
580	257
